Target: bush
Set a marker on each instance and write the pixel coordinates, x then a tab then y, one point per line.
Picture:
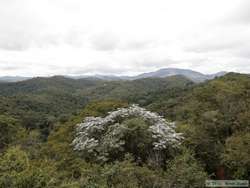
185	171
16	170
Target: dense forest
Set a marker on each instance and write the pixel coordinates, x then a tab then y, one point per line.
39	120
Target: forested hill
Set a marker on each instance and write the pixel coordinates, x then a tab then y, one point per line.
42	101
38	123
46	84
60	83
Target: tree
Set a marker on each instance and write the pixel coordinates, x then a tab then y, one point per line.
9	129
106	138
236	155
16	170
127	174
185	171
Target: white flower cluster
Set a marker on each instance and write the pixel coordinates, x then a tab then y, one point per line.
162	131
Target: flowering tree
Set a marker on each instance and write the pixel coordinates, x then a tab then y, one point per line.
109	136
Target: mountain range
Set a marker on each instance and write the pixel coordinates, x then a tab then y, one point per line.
13	78
161	73
190	74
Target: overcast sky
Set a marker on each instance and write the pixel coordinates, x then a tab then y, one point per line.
51	37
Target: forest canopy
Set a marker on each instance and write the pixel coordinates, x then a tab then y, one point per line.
212	123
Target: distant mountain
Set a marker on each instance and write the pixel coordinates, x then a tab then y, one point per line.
98	77
190	74
13	78
162	73
218	74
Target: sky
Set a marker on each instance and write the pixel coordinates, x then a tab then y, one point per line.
118	37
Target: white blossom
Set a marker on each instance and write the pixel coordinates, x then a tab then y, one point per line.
87	132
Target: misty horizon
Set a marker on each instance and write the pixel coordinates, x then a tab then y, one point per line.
115	75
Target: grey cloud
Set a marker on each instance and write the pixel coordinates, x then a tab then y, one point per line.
8	66
243	52
14	41
244	16
240	15
95	69
229	35
13	46
109	42
75	37
144	65
20	29
105	42
151	62
20	41
212	46
25	41
234	43
237	49
139	44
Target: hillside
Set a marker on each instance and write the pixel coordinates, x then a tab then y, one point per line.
43	101
212	115
41	84
139	90
40	121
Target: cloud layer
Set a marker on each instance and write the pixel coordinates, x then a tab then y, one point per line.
48	37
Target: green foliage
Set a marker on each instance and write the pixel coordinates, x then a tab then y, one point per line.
236	156
16	170
10	131
40	115
185	171
139	91
100	108
138	140
208	114
128	175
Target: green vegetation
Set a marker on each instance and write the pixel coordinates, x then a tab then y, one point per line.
211	115
38	120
